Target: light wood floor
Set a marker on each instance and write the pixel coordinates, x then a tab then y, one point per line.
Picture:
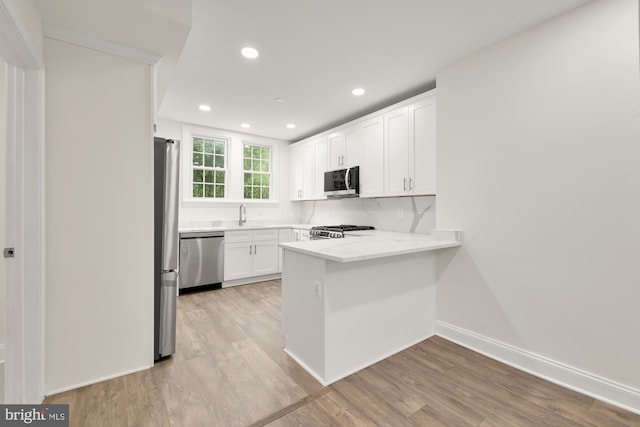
230	370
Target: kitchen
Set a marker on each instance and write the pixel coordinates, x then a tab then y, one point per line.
531	205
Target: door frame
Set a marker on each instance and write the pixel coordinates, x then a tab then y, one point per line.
25	220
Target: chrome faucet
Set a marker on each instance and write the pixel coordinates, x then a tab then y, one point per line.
243	209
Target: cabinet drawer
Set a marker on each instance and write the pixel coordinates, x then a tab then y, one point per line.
237	236
265	234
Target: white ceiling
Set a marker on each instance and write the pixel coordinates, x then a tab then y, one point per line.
312	53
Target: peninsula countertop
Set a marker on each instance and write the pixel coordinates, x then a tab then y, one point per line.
371	244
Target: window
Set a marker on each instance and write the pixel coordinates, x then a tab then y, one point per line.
209	173
257	172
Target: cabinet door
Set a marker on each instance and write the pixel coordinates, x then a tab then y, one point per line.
422	154
238	262
297	176
396	143
265	257
372	158
320	149
351	147
307	172
335	150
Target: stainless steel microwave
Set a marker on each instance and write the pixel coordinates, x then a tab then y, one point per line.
342	183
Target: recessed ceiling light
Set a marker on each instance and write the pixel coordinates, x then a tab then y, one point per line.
245	125
291	126
358	91
204	107
281	100
249	52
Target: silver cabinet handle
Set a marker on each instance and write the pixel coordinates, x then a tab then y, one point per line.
404	184
410	183
255	249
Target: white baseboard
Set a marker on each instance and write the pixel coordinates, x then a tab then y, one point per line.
356	369
95	381
249	280
306	368
567	376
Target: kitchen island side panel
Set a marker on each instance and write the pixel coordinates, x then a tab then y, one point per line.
376	308
303	311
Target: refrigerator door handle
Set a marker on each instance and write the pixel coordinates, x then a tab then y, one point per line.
170	243
167	336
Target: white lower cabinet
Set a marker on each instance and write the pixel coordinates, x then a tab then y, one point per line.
265	257
250	253
238	260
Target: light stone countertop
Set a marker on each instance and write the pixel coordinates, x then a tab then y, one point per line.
195	228
363	245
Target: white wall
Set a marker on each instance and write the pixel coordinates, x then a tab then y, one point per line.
538	164
404	214
3	170
199	213
99	244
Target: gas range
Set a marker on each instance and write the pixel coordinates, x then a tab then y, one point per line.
335	231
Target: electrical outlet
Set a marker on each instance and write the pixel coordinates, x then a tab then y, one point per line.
400	212
318	288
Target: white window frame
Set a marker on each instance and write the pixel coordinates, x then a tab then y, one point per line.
204	168
234	176
269	172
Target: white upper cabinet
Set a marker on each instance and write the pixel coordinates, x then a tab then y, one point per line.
336	143
308	169
302	171
422	146
297	178
344	148
395	149
371	137
351	147
320	158
410	149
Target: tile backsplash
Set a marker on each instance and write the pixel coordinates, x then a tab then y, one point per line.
405	214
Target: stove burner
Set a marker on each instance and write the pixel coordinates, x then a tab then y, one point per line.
336	231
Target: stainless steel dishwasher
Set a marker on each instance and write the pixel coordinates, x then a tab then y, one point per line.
201	258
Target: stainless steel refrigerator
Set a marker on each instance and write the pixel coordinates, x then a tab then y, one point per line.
166	245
